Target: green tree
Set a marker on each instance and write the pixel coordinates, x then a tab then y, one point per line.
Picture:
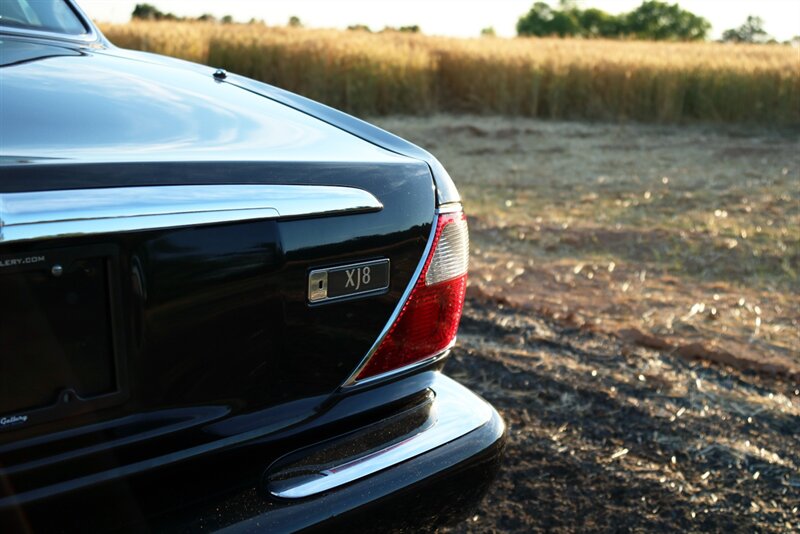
662	21
151	12
295	22
651	20
598	23
147	12
488	32
227	19
752	31
542	20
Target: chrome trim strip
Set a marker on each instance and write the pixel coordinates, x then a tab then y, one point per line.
83	38
456	412
451	207
54	214
410	367
91	36
351	380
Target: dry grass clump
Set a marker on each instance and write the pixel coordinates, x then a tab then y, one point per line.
389	72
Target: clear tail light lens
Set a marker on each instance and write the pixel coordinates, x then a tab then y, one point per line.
428	322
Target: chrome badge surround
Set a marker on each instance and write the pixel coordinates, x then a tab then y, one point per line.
318	281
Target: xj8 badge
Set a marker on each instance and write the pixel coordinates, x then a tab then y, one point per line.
344	281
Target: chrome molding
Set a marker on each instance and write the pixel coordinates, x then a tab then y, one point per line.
410	367
451	207
56	214
83	38
351	380
91	35
319	281
455	413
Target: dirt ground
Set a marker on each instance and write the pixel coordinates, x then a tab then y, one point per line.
634	313
603	436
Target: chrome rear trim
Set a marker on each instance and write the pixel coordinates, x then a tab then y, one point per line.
407	368
56	214
456	411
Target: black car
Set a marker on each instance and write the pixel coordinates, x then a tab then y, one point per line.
222	305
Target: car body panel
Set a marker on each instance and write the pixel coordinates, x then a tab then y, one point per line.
190	135
200	304
210	319
212	365
153	112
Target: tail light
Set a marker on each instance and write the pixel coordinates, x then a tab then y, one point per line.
428	321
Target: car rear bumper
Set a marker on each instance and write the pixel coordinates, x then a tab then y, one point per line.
411	454
436	485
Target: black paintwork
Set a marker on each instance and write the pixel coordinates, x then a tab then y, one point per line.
130	120
220	366
446	191
218	315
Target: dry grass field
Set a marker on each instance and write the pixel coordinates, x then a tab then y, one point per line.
391	72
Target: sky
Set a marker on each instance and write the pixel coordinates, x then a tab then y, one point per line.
460	18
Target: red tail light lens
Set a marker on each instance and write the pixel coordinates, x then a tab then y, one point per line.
428	322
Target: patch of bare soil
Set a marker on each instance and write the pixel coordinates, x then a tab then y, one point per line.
634	298
608	436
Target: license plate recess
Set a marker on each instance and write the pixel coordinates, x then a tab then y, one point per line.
60	334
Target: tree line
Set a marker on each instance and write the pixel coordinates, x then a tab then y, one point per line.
151	12
652	20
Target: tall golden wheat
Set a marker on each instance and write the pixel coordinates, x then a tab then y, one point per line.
369	74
